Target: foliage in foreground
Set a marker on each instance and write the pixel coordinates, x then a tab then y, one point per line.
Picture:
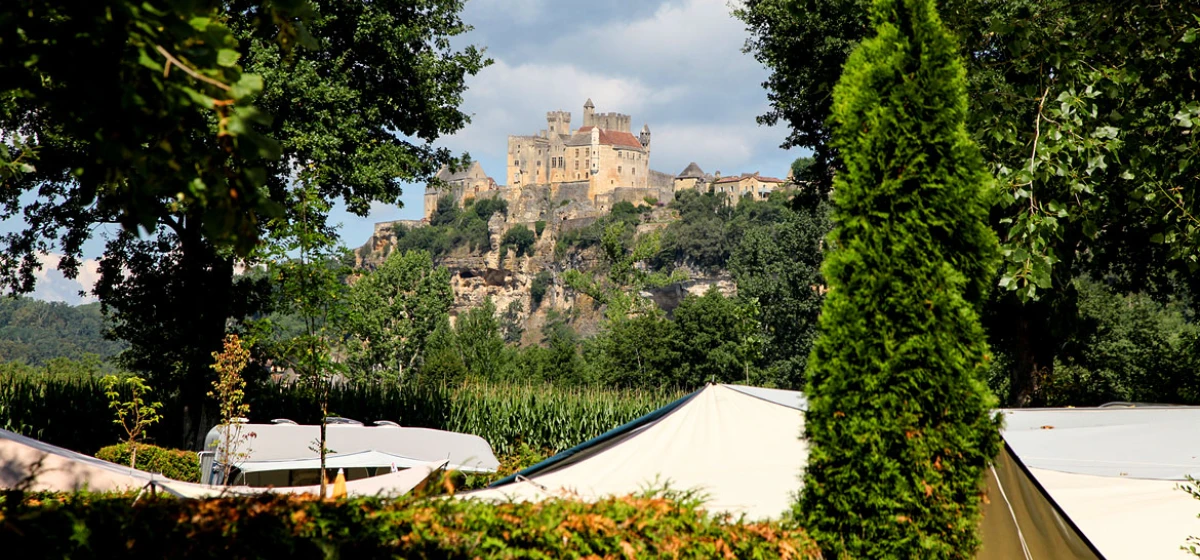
898	425
657	526
175	464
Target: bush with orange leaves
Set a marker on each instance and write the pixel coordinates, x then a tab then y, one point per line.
670	525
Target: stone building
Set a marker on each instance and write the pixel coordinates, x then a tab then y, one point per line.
750	185
598	158
471	182
692	177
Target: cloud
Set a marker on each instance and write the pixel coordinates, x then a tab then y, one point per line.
53	286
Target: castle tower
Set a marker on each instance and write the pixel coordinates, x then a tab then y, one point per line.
644	137
558	122
595	149
588	108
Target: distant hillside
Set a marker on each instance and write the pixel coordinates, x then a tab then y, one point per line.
35	332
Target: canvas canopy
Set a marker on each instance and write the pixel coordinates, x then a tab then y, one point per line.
390	485
287	447
36	466
1052	492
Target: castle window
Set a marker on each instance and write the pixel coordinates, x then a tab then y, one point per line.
618	169
634	170
577	166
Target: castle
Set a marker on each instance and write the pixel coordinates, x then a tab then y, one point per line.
597	165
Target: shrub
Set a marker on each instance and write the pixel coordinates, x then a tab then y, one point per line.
520	238
539	226
537	290
898	425
274	526
175	464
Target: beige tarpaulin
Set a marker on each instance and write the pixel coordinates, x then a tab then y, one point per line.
742	452
741	447
31	465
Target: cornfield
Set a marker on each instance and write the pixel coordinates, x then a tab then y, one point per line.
73	413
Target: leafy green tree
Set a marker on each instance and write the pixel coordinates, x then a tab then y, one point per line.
1129	348
169	117
1083	111
620	287
480	343
778	265
802	170
898	420
699	238
559	361
634	351
537	289
392	313
309	286
510	322
718	339
174	301
443	364
520	239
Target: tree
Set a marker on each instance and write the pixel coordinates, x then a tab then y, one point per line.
898	420
778	265
176	302
477	334
1082	110
443	364
169	118
520	239
510	322
718	339
310	287
393	312
802	170
133	415
230	392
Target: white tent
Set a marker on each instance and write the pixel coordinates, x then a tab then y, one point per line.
390	485
1048	496
32	465
284	454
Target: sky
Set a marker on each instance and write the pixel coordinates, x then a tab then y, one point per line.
675	65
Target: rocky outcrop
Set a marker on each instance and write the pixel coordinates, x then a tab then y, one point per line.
508	279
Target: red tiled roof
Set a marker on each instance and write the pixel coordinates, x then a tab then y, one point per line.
731	179
614	138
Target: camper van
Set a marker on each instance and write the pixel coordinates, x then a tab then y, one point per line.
284	453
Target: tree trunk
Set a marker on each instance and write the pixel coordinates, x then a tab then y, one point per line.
209	277
1032	346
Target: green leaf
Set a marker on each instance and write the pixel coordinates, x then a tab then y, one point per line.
247	85
227	57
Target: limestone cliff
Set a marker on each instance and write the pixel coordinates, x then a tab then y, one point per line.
507	278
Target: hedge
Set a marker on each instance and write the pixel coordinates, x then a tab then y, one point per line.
280	526
74	413
175	464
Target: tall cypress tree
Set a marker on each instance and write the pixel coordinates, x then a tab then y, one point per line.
898	422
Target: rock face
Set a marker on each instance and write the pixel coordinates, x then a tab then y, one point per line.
507	279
